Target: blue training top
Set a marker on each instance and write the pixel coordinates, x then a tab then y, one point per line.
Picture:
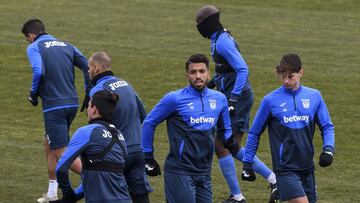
129	112
291	117
52	63
191	119
226	55
98	186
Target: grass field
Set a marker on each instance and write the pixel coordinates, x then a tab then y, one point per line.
149	42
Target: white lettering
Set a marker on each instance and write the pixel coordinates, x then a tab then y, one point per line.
295	118
106	134
203	119
118	84
54	43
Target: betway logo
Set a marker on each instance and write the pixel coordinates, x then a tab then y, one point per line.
203	119
295	118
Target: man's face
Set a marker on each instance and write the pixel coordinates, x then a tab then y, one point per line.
93	70
291	80
30	38
198	75
90	111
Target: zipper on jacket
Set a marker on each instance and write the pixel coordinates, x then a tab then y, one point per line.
294	100
202	103
281	153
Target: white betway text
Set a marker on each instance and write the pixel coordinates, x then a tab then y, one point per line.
295	118
203	119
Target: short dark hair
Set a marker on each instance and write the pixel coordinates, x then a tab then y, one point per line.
34	26
197	58
105	101
290	63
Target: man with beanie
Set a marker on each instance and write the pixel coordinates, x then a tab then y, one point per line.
102	150
128	116
290	113
232	79
53	75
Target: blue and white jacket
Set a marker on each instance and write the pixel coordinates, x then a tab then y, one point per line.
52	63
129	112
191	119
291	117
100	185
231	71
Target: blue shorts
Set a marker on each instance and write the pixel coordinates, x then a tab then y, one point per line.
187	188
294	185
135	175
240	121
57	125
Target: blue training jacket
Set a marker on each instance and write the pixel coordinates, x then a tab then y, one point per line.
97	186
226	55
129	112
291	117
52	63
191	118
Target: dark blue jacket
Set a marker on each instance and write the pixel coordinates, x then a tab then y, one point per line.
52	63
291	117
98	186
129	112
232	74
191	118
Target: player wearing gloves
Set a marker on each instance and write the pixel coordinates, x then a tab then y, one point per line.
102	150
232	79
53	75
192	114
290	113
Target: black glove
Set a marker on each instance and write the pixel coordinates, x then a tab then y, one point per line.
85	104
231	104
68	197
232	145
248	172
326	158
33	98
152	168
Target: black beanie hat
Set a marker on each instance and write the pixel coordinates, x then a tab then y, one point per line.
105	102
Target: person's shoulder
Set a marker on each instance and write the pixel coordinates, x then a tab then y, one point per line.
216	93
310	90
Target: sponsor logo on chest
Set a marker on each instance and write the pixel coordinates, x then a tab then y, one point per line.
296	118
202	119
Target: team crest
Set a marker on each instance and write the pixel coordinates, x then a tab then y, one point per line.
306	103
212	103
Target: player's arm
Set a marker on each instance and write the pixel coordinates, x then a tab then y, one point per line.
81	62
141	108
323	120
226	47
35	60
77	145
159	113
252	142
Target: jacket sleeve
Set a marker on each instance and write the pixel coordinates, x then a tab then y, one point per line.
158	114
323	120
224	122
81	62
35	60
226	47
141	108
77	145
257	128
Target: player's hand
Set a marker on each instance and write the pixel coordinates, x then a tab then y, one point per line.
326	158
152	168
248	172
85	103
232	145
33	98
231	104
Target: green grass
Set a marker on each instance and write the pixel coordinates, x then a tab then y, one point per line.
149	42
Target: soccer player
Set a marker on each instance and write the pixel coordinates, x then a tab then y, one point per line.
103	151
290	113
192	114
232	79
128	116
52	63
